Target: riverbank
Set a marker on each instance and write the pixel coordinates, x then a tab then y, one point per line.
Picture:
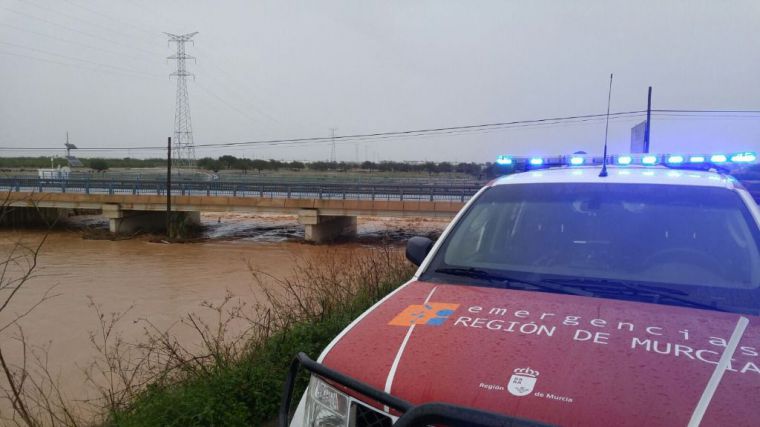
154	287
243	388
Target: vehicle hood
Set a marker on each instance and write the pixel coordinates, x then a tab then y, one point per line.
560	359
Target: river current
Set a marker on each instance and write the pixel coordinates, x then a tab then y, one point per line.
155	281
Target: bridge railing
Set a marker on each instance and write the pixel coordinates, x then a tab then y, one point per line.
288	190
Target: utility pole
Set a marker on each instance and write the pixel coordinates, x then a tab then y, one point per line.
169	188
332	150
649	116
69	146
183	130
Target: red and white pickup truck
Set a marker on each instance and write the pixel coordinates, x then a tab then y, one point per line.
559	297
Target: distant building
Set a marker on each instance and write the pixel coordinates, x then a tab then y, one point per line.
54	173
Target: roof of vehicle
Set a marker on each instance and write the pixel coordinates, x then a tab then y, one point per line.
621	175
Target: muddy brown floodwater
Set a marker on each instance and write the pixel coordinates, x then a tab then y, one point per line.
159	282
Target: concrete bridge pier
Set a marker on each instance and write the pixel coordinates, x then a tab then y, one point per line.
323	228
121	221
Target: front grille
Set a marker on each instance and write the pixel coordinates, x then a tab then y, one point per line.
362	416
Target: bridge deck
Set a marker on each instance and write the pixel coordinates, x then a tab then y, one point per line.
331	207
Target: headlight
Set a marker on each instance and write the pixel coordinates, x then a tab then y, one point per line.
325	406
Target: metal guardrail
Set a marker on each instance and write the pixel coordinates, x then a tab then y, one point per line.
303	178
286	190
289	190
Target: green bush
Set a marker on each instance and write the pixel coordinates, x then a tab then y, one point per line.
245	389
99	165
247	393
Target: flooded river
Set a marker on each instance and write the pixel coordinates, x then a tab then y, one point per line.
156	281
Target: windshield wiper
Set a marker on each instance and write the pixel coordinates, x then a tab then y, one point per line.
575	286
613	284
657	292
505	280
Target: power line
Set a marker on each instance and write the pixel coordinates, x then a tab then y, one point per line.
456	132
235	89
486	127
86	67
398	138
405	134
404	137
708	111
415	132
251	88
681	117
143	51
227	104
74	17
71	58
152	31
58	39
165	18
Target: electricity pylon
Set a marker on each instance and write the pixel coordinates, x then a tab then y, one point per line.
184	149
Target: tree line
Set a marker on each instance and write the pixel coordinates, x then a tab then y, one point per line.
96	163
228	162
232	163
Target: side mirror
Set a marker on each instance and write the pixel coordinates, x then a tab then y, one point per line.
417	249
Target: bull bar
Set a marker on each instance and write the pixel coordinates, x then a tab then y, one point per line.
433	413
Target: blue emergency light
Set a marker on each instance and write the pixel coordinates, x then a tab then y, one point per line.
536	161
624	160
674	159
744	157
671	160
649	160
503	160
577	160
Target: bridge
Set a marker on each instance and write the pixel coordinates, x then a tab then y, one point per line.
327	210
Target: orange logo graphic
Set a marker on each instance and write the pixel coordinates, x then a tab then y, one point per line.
434	313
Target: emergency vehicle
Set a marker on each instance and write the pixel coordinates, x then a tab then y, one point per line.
563	295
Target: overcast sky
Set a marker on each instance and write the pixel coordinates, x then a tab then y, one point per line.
282	69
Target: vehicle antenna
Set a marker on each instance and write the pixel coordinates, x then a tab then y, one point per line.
603	173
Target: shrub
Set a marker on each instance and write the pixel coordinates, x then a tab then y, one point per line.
99	165
231	384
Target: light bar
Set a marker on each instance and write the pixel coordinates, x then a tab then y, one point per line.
672	160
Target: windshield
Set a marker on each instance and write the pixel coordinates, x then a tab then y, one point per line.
607	238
